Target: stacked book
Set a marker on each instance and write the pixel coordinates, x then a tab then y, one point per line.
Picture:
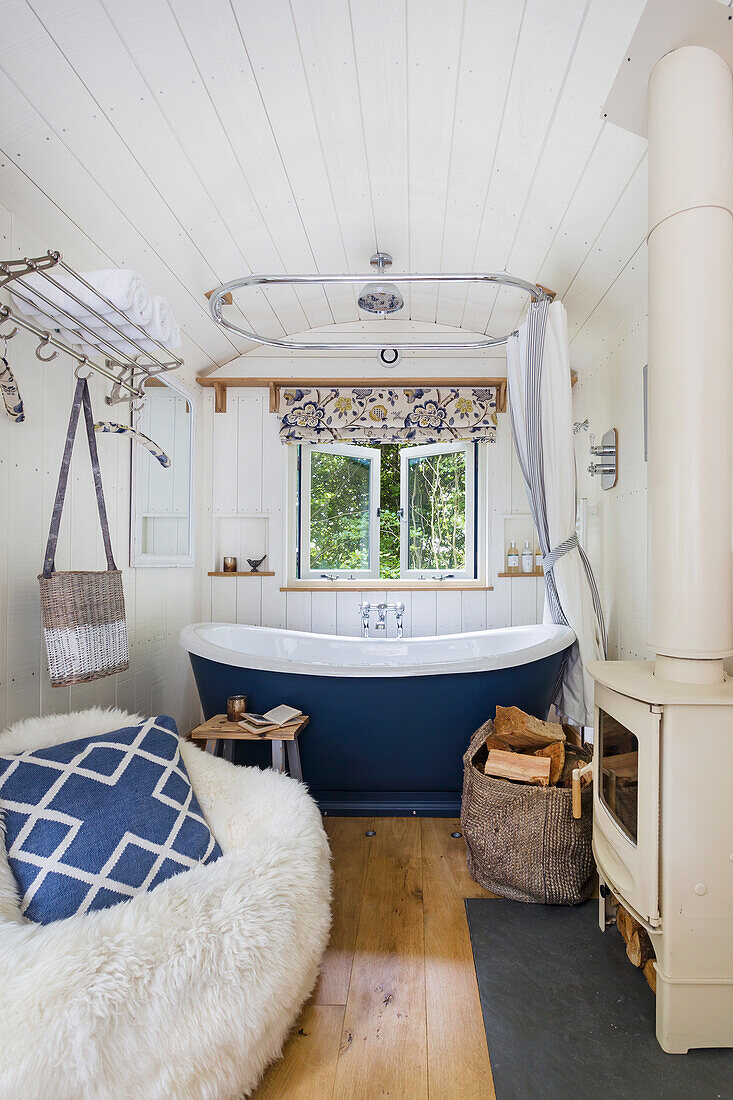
281	718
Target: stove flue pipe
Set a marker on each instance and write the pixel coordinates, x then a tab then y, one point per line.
690	427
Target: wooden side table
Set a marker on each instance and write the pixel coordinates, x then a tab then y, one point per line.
286	737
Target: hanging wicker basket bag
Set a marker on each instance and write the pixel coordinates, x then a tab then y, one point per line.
83	611
522	840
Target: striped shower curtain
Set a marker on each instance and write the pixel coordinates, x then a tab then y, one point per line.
540	407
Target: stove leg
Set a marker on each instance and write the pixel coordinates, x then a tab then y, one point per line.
607	906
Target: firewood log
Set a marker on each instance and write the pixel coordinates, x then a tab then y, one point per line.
573	759
523	731
650	973
556	753
638	943
639	947
515	765
494	742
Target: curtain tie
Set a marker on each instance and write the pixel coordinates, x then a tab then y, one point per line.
548	562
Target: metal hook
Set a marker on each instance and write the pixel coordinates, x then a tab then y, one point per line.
77	369
7	335
42	343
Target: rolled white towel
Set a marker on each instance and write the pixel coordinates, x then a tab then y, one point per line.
161	327
124	288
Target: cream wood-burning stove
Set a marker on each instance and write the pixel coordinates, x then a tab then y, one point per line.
667	851
663	796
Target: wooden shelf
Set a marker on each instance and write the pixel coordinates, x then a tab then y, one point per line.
249	573
221	385
527	576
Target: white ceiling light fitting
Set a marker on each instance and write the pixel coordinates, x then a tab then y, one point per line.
378	297
389	357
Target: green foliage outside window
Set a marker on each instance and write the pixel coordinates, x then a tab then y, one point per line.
437	512
339	493
339	535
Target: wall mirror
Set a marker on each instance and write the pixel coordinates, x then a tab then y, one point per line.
162	498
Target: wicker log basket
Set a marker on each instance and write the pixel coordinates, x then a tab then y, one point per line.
522	841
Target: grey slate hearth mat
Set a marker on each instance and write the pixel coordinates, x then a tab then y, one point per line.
568	1017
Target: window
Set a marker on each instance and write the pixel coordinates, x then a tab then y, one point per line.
385	513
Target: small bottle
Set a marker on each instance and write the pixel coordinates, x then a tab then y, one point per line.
538	562
526	558
512	558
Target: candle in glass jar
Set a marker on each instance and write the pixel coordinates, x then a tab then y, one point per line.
230	565
236	707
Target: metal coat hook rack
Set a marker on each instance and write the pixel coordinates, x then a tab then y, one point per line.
127	369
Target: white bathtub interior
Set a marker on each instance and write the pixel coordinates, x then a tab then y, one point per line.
329	655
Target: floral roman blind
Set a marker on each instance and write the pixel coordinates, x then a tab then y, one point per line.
418	415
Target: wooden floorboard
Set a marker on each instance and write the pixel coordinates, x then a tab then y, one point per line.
350	850
383	1048
396	1011
458	1060
308	1065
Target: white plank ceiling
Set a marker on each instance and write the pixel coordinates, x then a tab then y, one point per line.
197	141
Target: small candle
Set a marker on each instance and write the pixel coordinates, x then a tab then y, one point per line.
236	707
230	565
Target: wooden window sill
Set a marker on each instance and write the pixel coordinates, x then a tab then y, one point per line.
386	586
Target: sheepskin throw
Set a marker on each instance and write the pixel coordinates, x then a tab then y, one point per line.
186	991
95	821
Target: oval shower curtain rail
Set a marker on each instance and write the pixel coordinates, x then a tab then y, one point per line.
502	278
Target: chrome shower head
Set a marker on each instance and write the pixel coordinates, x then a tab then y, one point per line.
381	297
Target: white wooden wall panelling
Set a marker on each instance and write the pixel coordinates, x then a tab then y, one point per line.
56	229
161	54
5	527
448	612
118	92
380	34
627	288
424	614
26	534
434	37
26	139
606	32
348	620
544	53
274	602
612	164
249	498
326	41
490	37
213	38
626	228
283	85
56	93
158	602
299	613
323	613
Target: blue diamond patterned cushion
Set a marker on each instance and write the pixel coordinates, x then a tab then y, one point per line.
93	822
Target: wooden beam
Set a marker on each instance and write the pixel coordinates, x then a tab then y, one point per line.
220	394
227	297
221	385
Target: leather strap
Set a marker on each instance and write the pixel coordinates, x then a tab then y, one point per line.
81	398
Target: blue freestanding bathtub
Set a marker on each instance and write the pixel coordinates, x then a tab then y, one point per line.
389	718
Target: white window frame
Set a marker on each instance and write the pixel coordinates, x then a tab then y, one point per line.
427	450
374	455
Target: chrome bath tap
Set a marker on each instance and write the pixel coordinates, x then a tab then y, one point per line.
382	610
